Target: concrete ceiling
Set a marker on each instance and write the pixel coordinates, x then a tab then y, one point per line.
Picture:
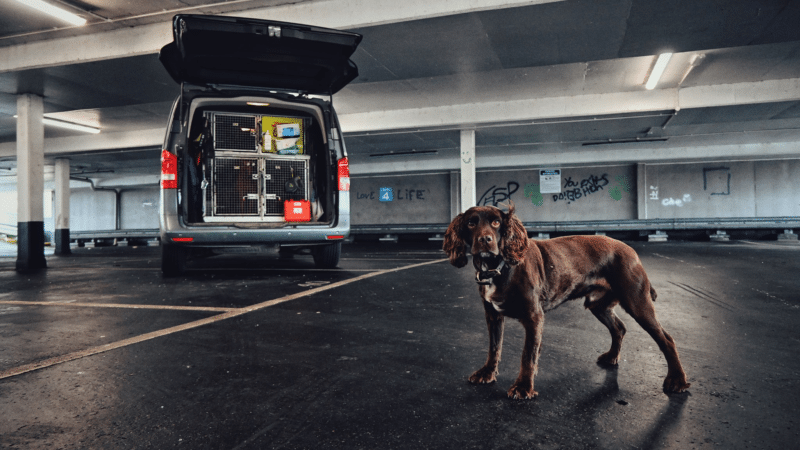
542	82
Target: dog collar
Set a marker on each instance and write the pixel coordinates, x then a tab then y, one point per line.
484	277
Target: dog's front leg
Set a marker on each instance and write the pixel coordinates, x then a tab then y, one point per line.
488	373
523	386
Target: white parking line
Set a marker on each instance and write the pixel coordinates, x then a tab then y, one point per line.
8	373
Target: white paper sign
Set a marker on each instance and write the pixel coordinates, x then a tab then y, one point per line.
550	181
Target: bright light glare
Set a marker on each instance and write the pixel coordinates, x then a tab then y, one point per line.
67	125
70	125
658	70
54	11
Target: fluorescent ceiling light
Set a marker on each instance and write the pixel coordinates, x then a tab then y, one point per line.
658	70
54	11
68	125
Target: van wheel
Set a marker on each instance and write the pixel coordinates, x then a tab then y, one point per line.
327	256
173	260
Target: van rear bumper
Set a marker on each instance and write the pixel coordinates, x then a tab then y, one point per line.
234	236
174	231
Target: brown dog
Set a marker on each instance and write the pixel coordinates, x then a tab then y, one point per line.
522	279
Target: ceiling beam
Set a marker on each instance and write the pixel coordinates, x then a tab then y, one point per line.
740	93
674	151
93	143
503	108
508	109
148	39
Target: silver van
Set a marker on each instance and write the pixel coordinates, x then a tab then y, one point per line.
253	154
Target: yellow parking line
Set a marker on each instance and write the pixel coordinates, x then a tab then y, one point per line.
8	373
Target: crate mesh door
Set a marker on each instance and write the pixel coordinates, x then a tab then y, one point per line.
237	133
280	184
236	187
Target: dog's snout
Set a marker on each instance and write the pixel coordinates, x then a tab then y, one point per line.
485	239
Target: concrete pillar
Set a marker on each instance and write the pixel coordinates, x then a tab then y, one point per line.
30	183
62	206
468	188
641	191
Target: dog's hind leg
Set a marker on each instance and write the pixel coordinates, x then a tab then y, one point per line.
604	311
643	311
487	373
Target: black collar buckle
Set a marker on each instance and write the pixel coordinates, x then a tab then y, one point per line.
484	277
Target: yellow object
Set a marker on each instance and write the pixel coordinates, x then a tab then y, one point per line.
273	143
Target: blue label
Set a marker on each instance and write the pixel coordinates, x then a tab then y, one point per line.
386	194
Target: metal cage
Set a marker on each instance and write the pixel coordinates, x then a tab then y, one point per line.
235	132
255	187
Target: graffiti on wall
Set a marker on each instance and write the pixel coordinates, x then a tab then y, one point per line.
669	201
717	180
623	185
679	202
497	194
584	188
388	194
574	190
533	192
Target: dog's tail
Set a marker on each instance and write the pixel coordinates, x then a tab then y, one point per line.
653	294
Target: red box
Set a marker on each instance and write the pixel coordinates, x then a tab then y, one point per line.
297	210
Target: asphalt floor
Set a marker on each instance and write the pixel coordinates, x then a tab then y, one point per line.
261	351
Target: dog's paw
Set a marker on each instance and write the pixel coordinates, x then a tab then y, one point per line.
607	359
522	391
676	384
484	375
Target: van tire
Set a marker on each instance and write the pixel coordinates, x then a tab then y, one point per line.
327	256
173	260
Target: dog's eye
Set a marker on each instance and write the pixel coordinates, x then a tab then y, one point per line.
496	223
472	224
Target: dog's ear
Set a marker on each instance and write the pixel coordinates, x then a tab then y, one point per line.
515	237
454	245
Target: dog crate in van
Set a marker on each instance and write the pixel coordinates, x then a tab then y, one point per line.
256	166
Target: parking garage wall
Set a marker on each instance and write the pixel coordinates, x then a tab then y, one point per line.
96	210
91	210
723	190
603	193
586	193
403	199
139	209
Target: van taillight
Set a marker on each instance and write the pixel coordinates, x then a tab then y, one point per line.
169	170
344	175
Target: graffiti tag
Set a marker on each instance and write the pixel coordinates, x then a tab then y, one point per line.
533	192
679	202
581	189
402	194
495	195
622	185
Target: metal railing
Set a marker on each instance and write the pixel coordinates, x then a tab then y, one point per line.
738	223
